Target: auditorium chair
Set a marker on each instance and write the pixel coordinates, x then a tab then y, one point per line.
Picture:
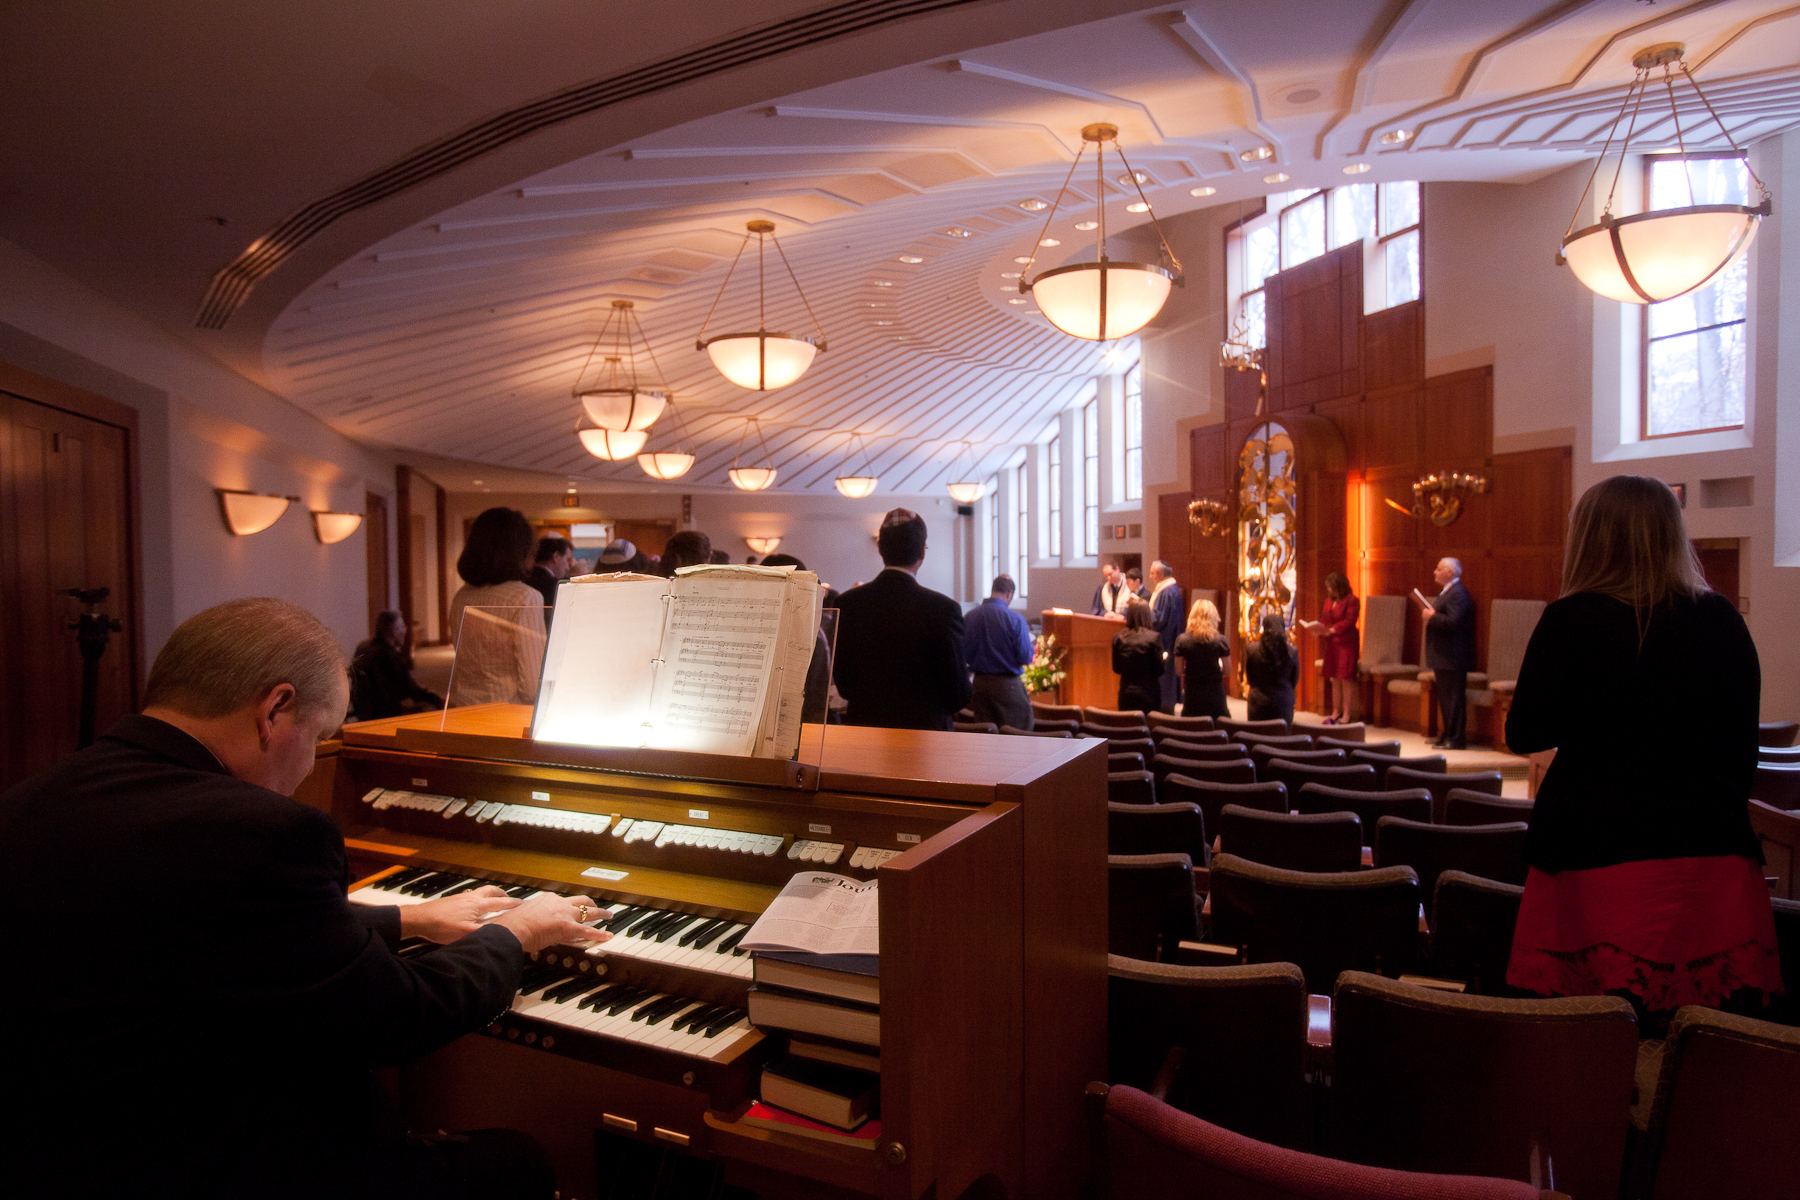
1326	742
1437	764
1130	787
1472	922
1425	1080
1206	752
1491	851
1050	725
1349	731
1463	807
1369	807
1151	907
1323	922
1158	829
1785	1008
1177	725
1040	711
1114	718
1383	647
1226	1044
1297	775
1777	784
1049	733
1130	760
1142	1147
1779	832
1213	797
1283	741
1509	628
1230	770
1778	754
1721	1120
1270	728
974	727
1292	841
1136	745
1260	755
1778	733
1169	743
1440	786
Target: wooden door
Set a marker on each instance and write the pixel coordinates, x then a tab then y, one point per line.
650	537
375	542
65	488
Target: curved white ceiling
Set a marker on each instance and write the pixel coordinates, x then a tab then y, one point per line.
462	336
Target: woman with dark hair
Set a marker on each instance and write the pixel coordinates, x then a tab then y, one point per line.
1271	668
381	680
1645	877
1200	654
1338	643
496	617
1137	658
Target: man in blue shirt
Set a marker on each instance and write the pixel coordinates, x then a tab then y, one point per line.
997	644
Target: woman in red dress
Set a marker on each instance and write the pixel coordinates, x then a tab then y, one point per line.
1644	877
1338	644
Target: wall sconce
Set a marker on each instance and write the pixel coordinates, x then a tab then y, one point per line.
333	527
1439	496
251	512
1211	518
763	545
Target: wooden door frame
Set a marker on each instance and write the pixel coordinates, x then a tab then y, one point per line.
53	393
403	476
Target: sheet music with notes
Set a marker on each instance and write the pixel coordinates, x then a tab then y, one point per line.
713	660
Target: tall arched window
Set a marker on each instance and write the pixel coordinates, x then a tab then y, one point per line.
1266	526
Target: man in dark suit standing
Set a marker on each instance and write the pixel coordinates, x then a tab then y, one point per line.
1169	615
1450	649
899	645
230	1032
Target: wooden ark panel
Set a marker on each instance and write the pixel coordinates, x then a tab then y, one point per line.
1393	346
1174	536
1532	488
1388	528
1458	420
1243	389
1208	457
1315	341
1346	413
1389	431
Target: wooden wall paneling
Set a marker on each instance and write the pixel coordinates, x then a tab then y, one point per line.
1350	306
1175	539
442	542
1533	489
1393	346
1346	413
1277	336
1242	391
1458	424
404	535
1390	433
375	547
1316	342
1208	457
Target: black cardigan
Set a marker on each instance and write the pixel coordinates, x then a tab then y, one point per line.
1655	745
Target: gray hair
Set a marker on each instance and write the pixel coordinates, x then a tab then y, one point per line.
1455	565
234	654
1161	569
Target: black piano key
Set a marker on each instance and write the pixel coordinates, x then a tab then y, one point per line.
695	1019
659	1008
651	917
600	995
693	935
519	891
537	975
432	884
630	998
674	927
669	924
723	1021
582	981
621	917
681	1006
400	879
468	885
707	937
730	943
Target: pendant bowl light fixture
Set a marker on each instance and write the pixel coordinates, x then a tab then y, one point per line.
674	462
611	444
617	398
857	484
761	360
1647	257
1101	300
966	491
752	479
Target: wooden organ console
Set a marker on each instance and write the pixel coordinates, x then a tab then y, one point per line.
991	853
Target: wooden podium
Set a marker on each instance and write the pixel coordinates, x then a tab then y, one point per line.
1087	643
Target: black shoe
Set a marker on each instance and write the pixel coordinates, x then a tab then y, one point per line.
1439	744
1454	745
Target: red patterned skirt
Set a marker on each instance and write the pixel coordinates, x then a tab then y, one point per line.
1673	931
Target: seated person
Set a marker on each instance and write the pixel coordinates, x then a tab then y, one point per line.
381	679
243	1001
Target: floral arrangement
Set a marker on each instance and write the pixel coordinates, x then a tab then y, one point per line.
1045	670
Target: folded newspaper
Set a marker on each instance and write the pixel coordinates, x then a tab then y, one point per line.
820	913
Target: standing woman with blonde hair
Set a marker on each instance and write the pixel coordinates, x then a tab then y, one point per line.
1645	877
1200	655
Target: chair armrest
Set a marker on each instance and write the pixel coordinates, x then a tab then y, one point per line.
1435	983
1503	687
1389	670
1207	954
1426	676
1318	1037
1477	679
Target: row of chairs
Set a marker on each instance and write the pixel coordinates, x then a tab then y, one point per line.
1422	1093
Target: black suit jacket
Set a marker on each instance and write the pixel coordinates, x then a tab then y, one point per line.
204	1005
899	654
1450	633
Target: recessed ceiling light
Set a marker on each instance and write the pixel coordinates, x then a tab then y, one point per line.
1277	177
884	322
1394	137
1084	226
1050	242
1009	274
571	490
1015	301
958	231
911	258
1259	154
1139	206
1034	205
477	482
1134	177
1356	168
1202	191
1022	258
1305	95
884	283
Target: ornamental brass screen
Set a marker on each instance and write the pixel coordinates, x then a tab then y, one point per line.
1266	526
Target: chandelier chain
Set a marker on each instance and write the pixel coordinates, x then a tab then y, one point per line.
1025	271
722	286
1155	224
1729	140
807	304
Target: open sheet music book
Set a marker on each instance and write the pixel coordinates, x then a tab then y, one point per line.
713	660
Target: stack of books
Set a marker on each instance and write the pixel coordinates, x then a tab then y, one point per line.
828	1084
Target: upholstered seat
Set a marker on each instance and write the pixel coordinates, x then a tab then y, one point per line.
1297	775
1175	742
1440	786
1510	624
1777	784
1285	741
1129	760
1260	755
1323	922
1269	728
1293	841
1213	797
1490	851
1158	829
1472	923
1435	763
1464	807
1130	787
1233	770
1164	721
1151	906
1778	733
1779	832
1369	807
1041	711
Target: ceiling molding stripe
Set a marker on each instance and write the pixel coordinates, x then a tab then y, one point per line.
232	285
851	114
1061	89
1183	26
1405	12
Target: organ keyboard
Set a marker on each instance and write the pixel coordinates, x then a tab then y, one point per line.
990	853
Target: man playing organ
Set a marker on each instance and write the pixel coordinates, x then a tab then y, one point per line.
196	1007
